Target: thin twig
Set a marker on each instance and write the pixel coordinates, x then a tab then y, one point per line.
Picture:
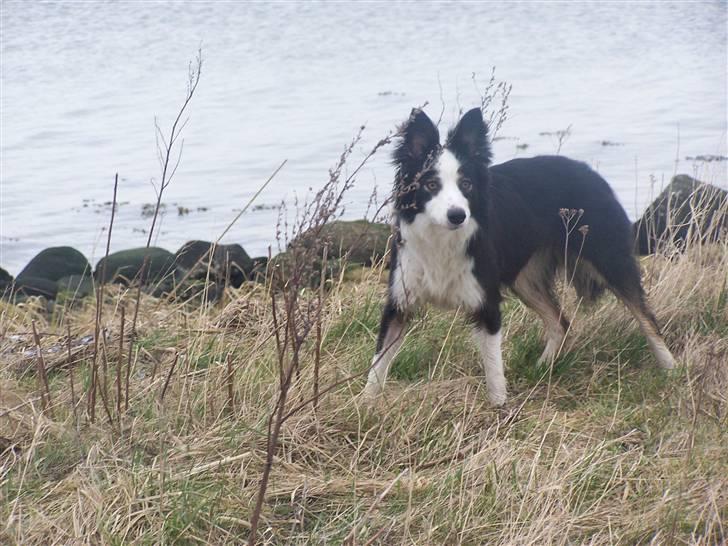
119	362
194	74
126	386
91	397
70	376
42	376
169	376
317	355
230	380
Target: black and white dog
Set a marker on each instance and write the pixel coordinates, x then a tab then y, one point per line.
466	229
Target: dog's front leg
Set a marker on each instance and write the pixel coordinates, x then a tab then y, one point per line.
487	335
391	335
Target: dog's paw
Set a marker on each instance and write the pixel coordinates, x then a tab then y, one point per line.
497	391
497	399
370	393
546	359
665	359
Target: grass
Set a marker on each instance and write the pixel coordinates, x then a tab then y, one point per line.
611	451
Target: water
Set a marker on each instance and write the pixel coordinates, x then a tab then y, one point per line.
83	81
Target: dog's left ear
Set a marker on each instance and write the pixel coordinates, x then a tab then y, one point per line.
469	138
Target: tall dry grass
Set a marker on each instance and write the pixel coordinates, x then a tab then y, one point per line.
601	449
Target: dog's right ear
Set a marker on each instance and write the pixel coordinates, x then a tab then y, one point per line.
421	136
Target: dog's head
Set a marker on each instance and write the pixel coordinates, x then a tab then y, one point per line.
443	183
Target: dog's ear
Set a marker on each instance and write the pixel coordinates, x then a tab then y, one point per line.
469	138
421	136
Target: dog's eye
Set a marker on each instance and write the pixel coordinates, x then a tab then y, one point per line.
466	185
432	186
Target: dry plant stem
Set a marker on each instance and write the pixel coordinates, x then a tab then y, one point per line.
105	362
165	157
275	421
119	361
126	380
230	381
45	392
340	382
169	377
295	344
296	319
166	154
280	348
103	390
317	356
70	377
491	91
91	396
107	410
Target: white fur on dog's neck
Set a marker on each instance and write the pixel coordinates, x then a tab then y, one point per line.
433	266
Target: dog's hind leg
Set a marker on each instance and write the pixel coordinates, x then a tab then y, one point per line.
487	335
534	286
622	276
391	336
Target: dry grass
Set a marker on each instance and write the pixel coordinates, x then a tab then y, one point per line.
612	451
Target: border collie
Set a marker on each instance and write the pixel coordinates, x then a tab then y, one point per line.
465	230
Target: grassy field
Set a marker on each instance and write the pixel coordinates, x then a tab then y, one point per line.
601	449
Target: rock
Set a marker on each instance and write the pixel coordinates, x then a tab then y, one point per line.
35	286
358	241
197	290
56	262
124	266
6	282
685	209
76	286
294	262
260	264
349	244
227	263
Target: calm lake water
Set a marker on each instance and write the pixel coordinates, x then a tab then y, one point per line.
83	81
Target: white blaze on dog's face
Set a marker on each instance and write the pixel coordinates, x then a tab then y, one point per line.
447	206
442	186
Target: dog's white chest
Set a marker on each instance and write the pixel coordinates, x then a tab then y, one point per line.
433	266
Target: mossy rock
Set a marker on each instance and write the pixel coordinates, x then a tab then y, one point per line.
77	286
282	266
35	286
225	263
193	291
6	282
125	266
685	209
358	241
56	262
348	244
260	265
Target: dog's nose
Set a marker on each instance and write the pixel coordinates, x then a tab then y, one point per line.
456	216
